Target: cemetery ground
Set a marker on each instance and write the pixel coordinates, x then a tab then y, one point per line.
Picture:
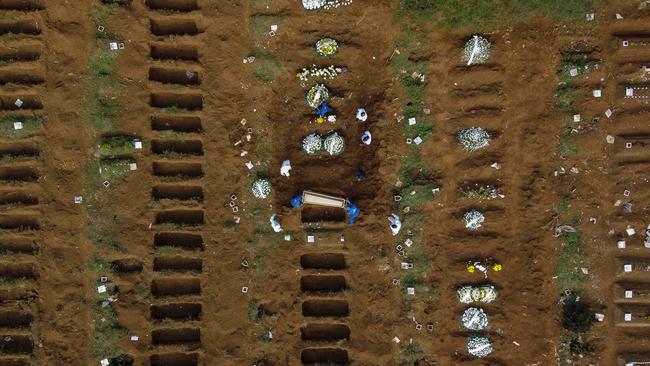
129	233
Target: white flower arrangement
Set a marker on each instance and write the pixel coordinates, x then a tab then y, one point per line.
312	144
327	47
317	95
327	73
474	319
469	294
477	50
473	219
474	138
334	144
479	346
313	4
324	4
261	188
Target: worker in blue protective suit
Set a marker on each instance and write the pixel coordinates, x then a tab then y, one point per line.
352	210
296	202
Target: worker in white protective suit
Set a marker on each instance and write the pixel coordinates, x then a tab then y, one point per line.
286	168
275	224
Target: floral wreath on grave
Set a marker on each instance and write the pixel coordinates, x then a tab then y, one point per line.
334	144
477	50
312	144
317	95
327	47
261	188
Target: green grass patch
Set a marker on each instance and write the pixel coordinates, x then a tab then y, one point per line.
107	333
103	228
31	126
116	145
572	258
266	68
567	148
99	264
583	67
565	96
477	15
413	352
417	183
113	169
171	109
263	239
101	87
260	24
563	206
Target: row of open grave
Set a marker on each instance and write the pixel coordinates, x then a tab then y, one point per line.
175	76
176	62
631	289
20	195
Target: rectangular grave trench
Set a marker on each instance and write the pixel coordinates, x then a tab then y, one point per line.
164	122
323	283
181	217
189	101
17	294
23	26
312	214
175	286
177	192
174	51
325	332
20	221
174	359
175	5
15	319
17	361
24	5
325	308
18	244
21	76
29	102
189	147
167	75
324	356
177	169
177	263
176	336
179	239
18	197
174	26
19	149
21	52
127	265
16	343
18	270
176	311
18	173
333	261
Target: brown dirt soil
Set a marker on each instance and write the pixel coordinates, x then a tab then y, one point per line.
179	258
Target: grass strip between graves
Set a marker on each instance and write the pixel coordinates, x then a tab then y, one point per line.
101	92
416	185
